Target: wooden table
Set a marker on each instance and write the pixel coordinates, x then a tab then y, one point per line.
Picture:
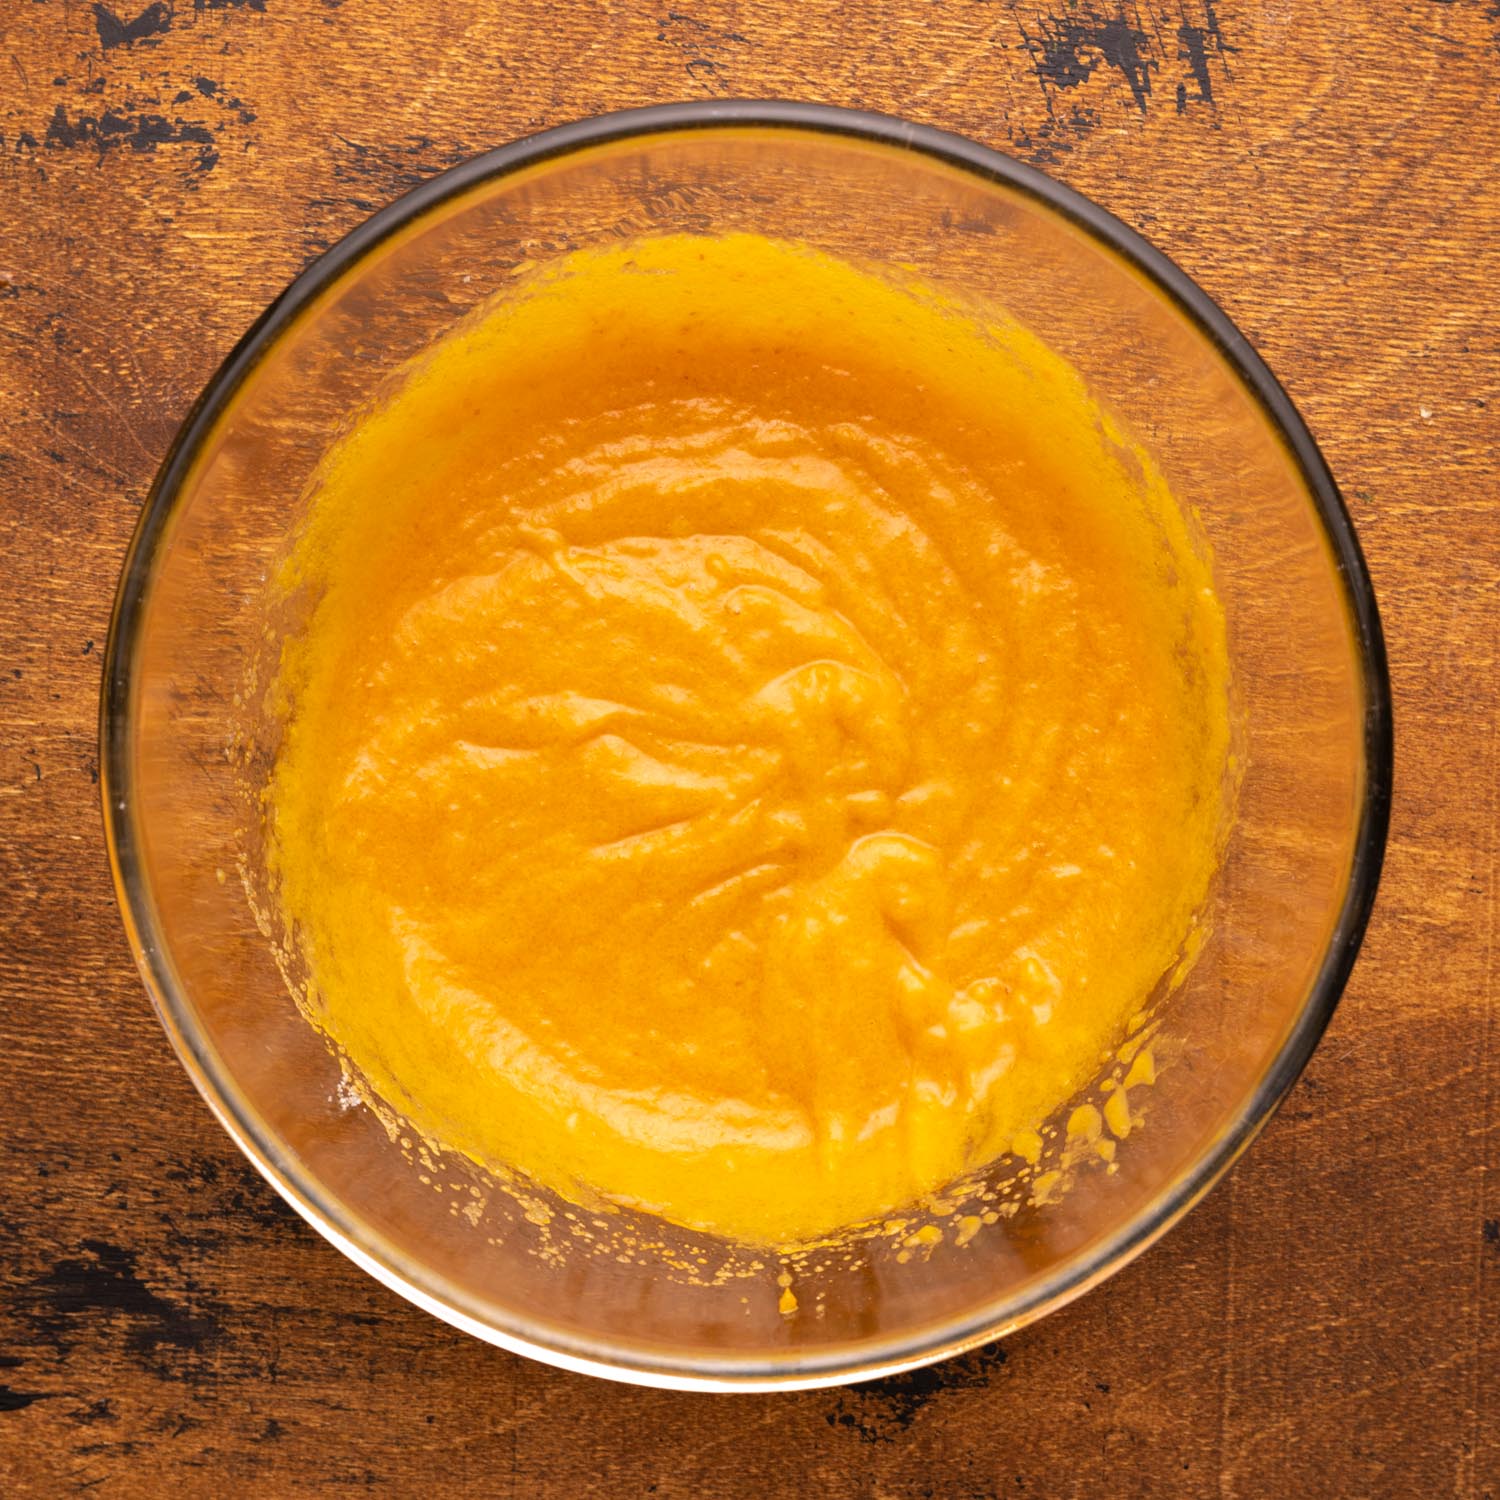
1327	1322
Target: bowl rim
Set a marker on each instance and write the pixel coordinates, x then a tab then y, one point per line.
604	1356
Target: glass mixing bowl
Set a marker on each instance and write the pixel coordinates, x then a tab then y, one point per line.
185	736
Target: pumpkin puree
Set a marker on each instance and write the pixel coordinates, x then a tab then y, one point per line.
760	734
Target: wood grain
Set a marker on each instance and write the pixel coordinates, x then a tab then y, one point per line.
1327	1323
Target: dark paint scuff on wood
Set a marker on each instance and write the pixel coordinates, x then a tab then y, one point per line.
113	32
884	1409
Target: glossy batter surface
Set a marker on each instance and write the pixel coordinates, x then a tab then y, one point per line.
759	737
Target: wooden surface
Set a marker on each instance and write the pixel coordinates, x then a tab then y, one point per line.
1327	1322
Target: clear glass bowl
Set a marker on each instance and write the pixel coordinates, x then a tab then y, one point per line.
184	735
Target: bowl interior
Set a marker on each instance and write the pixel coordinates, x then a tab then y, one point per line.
187	737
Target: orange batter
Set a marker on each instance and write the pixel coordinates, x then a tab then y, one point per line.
760	736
